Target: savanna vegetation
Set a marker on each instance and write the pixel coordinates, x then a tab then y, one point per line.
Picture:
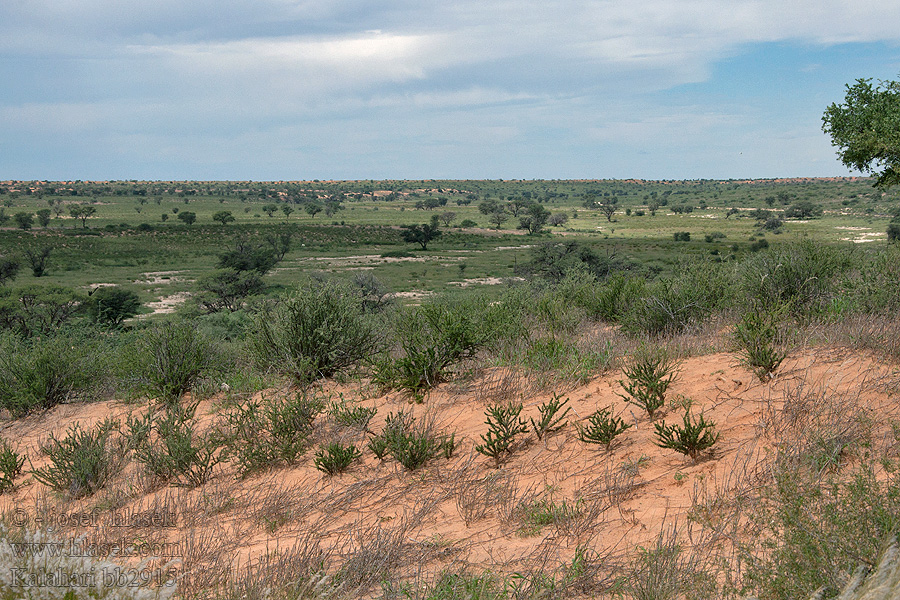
290	311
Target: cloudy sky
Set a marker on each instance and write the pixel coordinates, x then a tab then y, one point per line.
359	89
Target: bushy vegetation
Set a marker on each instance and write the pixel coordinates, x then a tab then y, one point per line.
40	373
318	330
563	312
168	360
81	462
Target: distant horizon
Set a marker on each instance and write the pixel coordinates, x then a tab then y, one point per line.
848	178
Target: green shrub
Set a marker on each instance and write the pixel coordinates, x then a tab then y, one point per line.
550	421
168	360
671	304
112	305
354	416
690	439
504	425
82	462
41	373
334	458
409	443
11	463
270	432
801	276
602	428
756	338
432	338
682	236
318	330
650	374
176	454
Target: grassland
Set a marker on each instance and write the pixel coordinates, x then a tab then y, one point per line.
126	237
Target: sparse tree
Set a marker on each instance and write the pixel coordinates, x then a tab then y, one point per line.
9	268
558	219
608	207
38	259
187	217
270	209
498	217
43	217
224	217
447	217
535	219
287	210
112	305
421	234
24	220
313	208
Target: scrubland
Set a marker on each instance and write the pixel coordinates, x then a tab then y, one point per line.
324	411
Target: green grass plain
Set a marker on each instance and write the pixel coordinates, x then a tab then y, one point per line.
127	237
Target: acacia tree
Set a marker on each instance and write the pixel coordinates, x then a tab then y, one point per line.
864	129
534	219
224	217
421	234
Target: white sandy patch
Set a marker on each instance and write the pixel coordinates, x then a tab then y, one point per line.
157	277
485	281
166	304
854	228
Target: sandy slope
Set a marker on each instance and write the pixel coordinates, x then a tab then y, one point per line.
465	511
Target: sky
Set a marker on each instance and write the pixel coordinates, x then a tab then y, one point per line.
414	89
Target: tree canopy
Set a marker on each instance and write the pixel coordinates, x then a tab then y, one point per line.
866	129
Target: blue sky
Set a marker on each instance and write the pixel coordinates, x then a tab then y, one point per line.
402	89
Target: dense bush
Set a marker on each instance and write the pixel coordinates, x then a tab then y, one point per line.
82	462
112	305
171	449
270	432
38	310
799	275
432	338
41	372
669	305
318	330
167	360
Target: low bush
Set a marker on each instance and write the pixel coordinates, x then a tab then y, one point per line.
410	443
82	462
320	329
504	425
168	360
171	450
335	458
756	339
820	532
270	432
649	375
111	305
669	305
352	415
691	438
433	338
11	463
602	428
550	421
